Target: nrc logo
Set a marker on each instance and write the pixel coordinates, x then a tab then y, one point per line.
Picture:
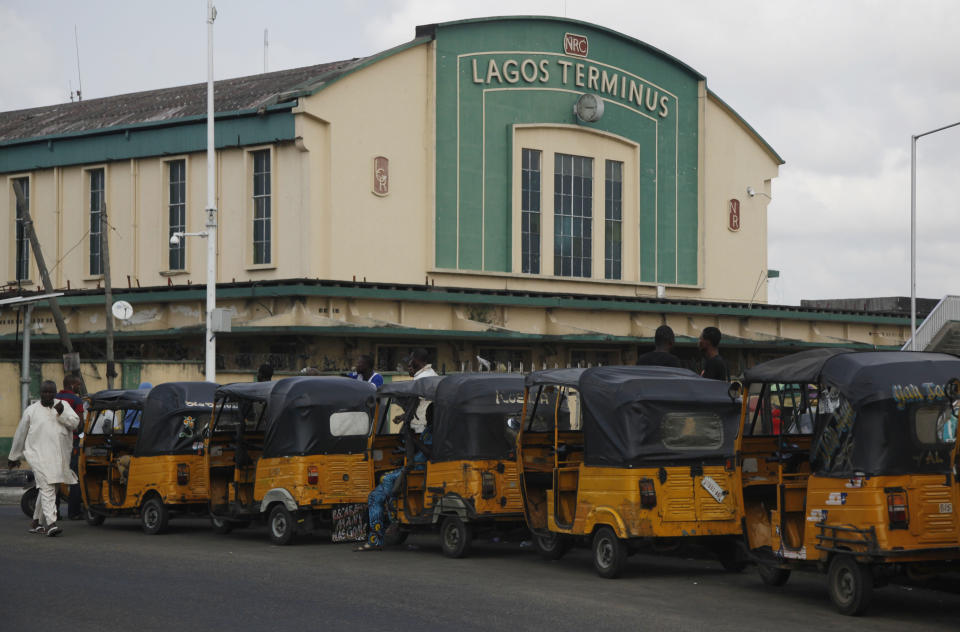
575	44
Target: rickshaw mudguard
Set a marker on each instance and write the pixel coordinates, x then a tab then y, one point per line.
605	516
278	494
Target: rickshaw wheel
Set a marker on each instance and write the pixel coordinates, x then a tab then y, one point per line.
730	557
397	538
455	537
553	546
221	526
28	501
773	576
281	524
93	519
609	553
154	516
850	585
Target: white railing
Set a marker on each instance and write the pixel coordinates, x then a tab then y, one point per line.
948	309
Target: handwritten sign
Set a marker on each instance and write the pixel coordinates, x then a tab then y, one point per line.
350	523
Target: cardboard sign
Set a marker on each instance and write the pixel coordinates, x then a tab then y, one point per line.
350	523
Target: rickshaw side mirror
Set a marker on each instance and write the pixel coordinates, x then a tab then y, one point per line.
735	391
107	428
952	388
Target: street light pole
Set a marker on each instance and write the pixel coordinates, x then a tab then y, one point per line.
913	230
210	340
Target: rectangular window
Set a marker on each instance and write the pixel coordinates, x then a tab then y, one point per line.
23	242
613	221
96	210
261	207
530	212
177	212
573	215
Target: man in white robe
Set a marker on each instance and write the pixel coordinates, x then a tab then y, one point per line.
45	439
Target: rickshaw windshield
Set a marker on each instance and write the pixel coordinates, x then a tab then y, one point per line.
234	412
784	408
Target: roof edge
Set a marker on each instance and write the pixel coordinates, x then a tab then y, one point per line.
729	110
431	30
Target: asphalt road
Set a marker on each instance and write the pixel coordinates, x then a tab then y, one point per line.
115	577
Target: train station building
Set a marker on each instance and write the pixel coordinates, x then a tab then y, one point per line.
527	191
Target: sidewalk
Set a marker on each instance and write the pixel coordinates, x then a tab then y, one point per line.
10	495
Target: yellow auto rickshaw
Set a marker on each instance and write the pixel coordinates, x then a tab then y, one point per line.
142	453
849	466
631	455
468	485
292	452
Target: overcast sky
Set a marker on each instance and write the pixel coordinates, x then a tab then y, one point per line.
837	88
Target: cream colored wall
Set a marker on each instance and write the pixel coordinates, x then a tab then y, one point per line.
734	262
385	109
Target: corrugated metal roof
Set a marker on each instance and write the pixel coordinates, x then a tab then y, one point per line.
168	104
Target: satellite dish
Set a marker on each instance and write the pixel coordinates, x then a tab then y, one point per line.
122	310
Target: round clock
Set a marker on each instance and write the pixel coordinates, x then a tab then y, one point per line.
588	108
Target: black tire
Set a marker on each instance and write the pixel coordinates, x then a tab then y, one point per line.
773	576
396	538
281	525
850	585
456	536
731	556
609	553
154	516
553	546
93	519
221	526
28	501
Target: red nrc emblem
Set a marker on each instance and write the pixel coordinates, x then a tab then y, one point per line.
733	221
575	44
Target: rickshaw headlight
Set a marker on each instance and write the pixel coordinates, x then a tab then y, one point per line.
897	509
313	475
648	493
183	473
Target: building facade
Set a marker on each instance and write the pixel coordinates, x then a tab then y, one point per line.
530	191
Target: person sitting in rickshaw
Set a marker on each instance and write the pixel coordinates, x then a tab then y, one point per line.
390	482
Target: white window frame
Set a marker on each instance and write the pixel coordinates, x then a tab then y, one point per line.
251	208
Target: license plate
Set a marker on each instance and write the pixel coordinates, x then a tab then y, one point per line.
713	488
946	507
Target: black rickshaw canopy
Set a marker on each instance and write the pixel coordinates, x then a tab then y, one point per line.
251	391
312	415
175	415
878	412
471	414
131	399
425	388
632	415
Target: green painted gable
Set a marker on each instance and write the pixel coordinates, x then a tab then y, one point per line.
475	123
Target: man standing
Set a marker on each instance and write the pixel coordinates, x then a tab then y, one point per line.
418	367
364	371
70	394
662	355
264	373
43	438
715	367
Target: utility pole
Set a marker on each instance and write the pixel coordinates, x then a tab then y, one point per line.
45	277
107	289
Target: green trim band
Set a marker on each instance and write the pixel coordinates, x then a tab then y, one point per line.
476	298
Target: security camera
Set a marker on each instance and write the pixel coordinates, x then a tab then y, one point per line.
175	240
751	191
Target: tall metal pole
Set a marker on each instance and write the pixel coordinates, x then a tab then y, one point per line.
211	344
25	365
913	230
913	243
107	291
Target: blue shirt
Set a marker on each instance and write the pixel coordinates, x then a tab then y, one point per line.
376	379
